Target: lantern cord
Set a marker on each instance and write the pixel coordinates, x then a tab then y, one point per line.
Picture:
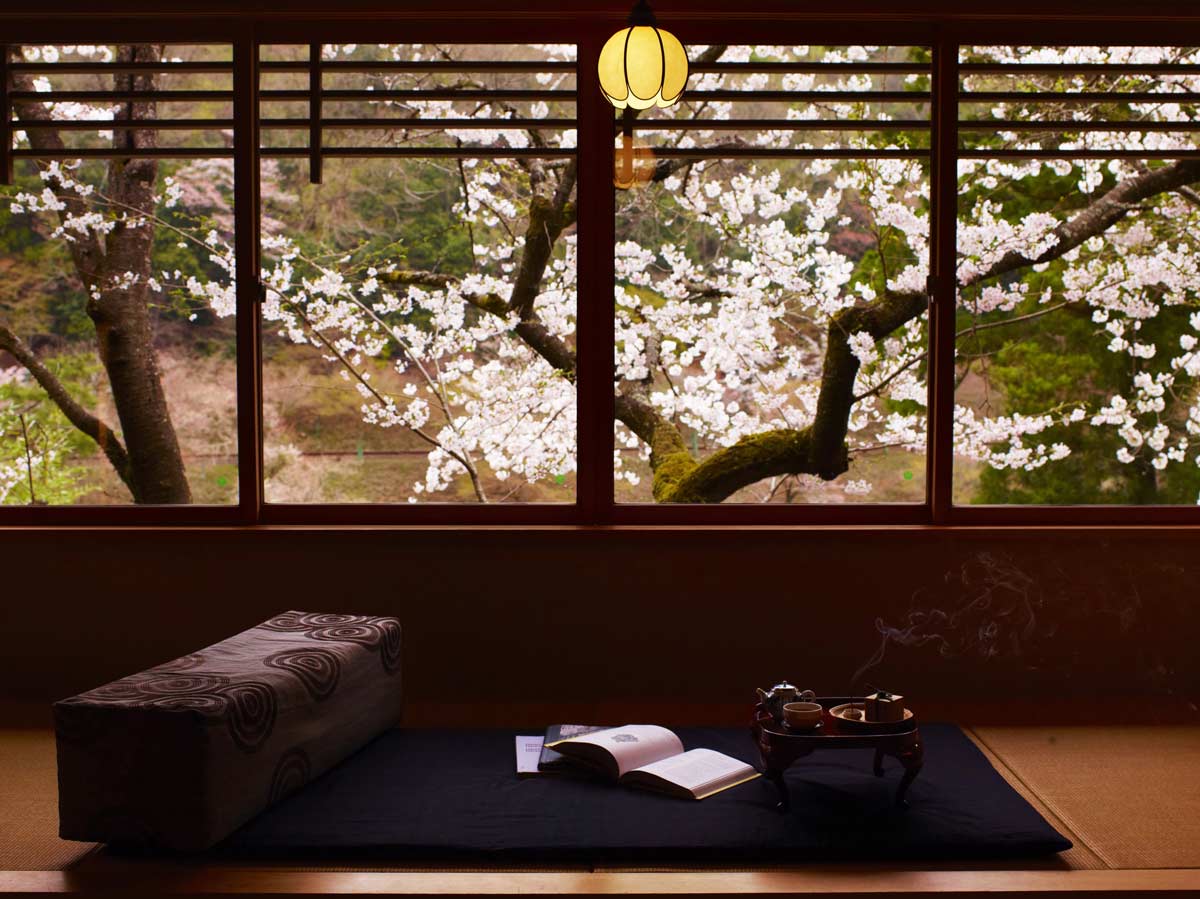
642	14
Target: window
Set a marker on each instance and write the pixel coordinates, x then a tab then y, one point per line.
778	216
1077	329
117	314
419	315
324	272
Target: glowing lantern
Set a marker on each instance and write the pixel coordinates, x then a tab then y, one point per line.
643	66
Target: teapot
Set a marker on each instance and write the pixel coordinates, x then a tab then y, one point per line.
779	695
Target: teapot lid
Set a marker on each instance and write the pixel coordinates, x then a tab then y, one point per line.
783	685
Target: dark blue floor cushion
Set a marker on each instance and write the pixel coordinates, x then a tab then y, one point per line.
452	795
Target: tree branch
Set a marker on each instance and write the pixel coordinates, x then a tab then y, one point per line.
548	217
405	277
751	459
1101	214
669	457
80	417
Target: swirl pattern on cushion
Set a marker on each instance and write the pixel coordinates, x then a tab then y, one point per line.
126	690
333	619
371	632
318	669
363	634
170	684
251	713
389	644
210	705
287	622
143	689
292	771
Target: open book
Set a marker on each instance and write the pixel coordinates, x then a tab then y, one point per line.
649	756
552	762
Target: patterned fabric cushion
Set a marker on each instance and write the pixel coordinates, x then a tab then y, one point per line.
179	756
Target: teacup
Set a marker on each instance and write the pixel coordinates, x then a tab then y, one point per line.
802	715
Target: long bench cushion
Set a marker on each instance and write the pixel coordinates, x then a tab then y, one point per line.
179	756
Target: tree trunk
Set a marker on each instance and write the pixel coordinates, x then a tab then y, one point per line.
119	307
125	340
115	274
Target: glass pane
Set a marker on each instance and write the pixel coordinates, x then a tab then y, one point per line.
117	328
420	314
771	313
1078	284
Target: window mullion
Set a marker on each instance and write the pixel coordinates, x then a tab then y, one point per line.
246	244
594	312
942	267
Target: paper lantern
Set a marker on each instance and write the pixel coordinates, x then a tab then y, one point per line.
643	66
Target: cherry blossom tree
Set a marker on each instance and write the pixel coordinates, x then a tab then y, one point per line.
771	320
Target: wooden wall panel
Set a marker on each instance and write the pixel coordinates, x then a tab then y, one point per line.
672	619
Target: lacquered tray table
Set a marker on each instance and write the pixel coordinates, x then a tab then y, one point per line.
781	746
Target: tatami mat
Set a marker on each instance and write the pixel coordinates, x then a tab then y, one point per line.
1131	794
29	805
1079	856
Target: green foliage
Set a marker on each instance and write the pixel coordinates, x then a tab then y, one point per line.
38	442
1055	363
406	216
37	293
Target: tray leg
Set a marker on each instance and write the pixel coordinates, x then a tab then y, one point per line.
781	787
912	757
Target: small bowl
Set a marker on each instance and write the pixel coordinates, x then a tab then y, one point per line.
802	715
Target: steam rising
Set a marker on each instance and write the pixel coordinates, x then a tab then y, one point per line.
1083	619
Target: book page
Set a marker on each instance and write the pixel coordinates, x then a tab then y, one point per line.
553	761
700	771
633	745
529	750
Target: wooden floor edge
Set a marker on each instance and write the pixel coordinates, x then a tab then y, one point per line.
242	883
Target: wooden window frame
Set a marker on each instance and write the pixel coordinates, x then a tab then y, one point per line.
932	24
